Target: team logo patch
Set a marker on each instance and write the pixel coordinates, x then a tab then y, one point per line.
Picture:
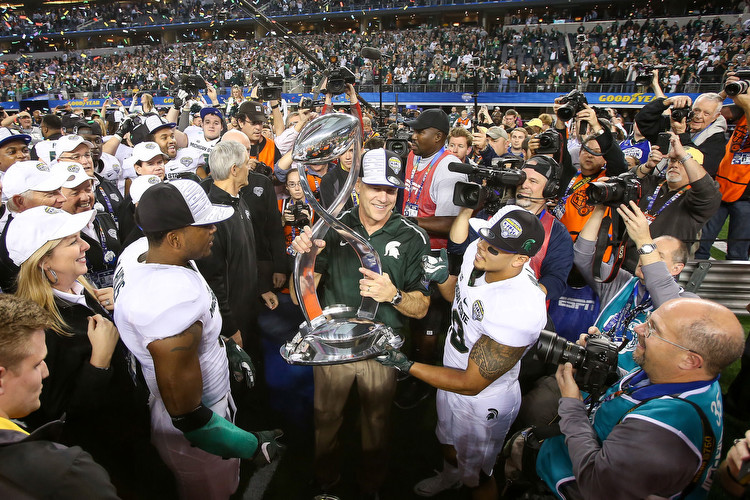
42	167
527	244
492	414
112	233
510	228
153	180
258	191
391	249
394	180
247	213
52	210
477	310
151	145
117	198
74	168
395	165
186	161
98	207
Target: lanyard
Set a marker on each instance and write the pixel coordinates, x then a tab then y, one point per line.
108	255
639	387
427	173
107	201
653	197
573	187
629	312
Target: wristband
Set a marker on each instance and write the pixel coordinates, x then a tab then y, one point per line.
221	437
274	106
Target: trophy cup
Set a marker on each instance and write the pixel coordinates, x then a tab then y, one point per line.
337	334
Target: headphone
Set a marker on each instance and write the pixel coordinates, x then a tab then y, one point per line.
553	174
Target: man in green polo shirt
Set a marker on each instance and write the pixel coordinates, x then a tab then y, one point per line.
400	293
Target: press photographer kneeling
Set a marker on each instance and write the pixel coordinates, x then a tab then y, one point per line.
657	430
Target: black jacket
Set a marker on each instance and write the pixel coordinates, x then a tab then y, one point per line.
101	257
8	270
232	270
650	122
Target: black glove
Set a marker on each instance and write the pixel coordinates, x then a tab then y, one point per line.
268	446
179	99
240	365
126	126
395	358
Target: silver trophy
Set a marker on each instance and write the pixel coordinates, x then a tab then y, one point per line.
337	334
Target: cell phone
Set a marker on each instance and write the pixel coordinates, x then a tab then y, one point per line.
743	477
663	142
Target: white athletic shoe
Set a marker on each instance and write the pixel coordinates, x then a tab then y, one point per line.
437	484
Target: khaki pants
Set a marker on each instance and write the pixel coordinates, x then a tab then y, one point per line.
376	385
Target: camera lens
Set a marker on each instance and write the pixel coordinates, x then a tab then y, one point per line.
600	193
565	112
736	88
553	349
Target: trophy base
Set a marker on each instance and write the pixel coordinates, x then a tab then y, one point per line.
338	336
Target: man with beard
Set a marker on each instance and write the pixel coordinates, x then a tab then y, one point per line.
657	431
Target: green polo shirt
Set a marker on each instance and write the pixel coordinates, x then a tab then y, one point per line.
400	245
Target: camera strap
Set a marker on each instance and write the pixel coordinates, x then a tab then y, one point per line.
619	240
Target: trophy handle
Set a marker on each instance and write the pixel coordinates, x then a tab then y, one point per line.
304	264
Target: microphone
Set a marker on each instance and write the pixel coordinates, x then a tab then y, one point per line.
370	53
461	168
529	197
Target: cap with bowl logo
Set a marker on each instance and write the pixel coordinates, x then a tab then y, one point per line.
33	175
210	111
7	135
140	184
154	123
512	229
68	143
176	204
381	167
32	228
146	151
253	110
75	171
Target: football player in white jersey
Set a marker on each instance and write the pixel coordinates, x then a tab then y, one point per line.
175	341
205	138
498	311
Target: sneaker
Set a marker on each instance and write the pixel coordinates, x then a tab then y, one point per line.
414	392
436	484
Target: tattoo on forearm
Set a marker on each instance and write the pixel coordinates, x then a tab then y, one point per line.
494	359
189	339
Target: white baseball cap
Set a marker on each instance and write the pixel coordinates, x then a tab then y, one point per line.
76	174
33	175
154	123
68	143
145	151
32	228
140	184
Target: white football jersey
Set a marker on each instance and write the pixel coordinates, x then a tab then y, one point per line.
197	140
511	312
187	161
156	301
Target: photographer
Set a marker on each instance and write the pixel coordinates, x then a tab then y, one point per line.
600	155
730	471
702	127
296	213
629	298
657	430
733	177
681	203
490	143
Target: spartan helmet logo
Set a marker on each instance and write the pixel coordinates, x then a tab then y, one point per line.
391	249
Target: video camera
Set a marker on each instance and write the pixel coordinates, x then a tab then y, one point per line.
549	142
309	103
269	86
492	187
337	80
741	87
192	84
595	364
616	191
646	73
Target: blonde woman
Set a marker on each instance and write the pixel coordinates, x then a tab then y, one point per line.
91	381
235	99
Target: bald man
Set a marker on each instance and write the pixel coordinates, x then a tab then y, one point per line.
649	433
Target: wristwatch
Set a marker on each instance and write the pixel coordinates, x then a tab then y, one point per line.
647	249
685	158
396	300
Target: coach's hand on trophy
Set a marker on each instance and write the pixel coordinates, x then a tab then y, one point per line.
304	242
377	286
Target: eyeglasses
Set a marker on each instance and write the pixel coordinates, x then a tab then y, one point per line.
76	157
651	330
293	184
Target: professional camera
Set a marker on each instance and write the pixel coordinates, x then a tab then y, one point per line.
493	187
595	364
309	103
680	114
269	87
399	144
616	191
549	142
299	211
263	169
337	80
646	73
571	105
192	84
736	88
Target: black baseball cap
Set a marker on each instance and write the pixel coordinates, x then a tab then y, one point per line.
511	229
253	110
545	165
432	118
177	204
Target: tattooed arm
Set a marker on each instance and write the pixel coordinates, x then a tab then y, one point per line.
488	361
178	371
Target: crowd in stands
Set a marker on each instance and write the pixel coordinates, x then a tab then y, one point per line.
607	58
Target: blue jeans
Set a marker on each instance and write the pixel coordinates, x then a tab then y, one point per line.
503	85
739	231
